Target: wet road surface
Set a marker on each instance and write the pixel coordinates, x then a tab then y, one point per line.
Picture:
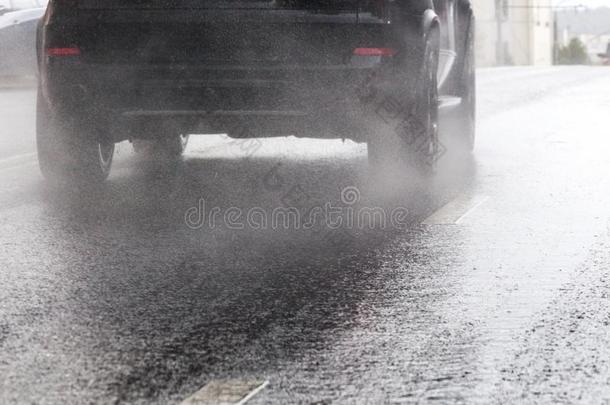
496	290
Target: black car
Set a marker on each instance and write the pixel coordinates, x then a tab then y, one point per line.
375	71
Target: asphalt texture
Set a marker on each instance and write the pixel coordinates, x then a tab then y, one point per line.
495	289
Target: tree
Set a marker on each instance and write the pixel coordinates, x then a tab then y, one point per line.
575	53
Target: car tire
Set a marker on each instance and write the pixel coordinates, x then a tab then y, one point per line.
414	143
68	151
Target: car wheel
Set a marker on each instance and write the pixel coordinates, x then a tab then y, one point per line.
415	141
68	152
424	142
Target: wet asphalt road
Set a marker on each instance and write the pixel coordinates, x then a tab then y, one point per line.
497	290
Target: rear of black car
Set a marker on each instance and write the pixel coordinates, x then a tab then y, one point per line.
271	67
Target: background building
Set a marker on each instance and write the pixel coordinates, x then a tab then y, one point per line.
514	32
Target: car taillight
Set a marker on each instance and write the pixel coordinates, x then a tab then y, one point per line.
72	51
375	52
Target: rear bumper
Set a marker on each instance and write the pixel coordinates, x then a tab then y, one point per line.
135	102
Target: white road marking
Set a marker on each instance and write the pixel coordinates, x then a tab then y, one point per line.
480	201
231	392
454	212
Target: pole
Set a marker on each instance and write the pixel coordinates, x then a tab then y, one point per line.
499	36
555	39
